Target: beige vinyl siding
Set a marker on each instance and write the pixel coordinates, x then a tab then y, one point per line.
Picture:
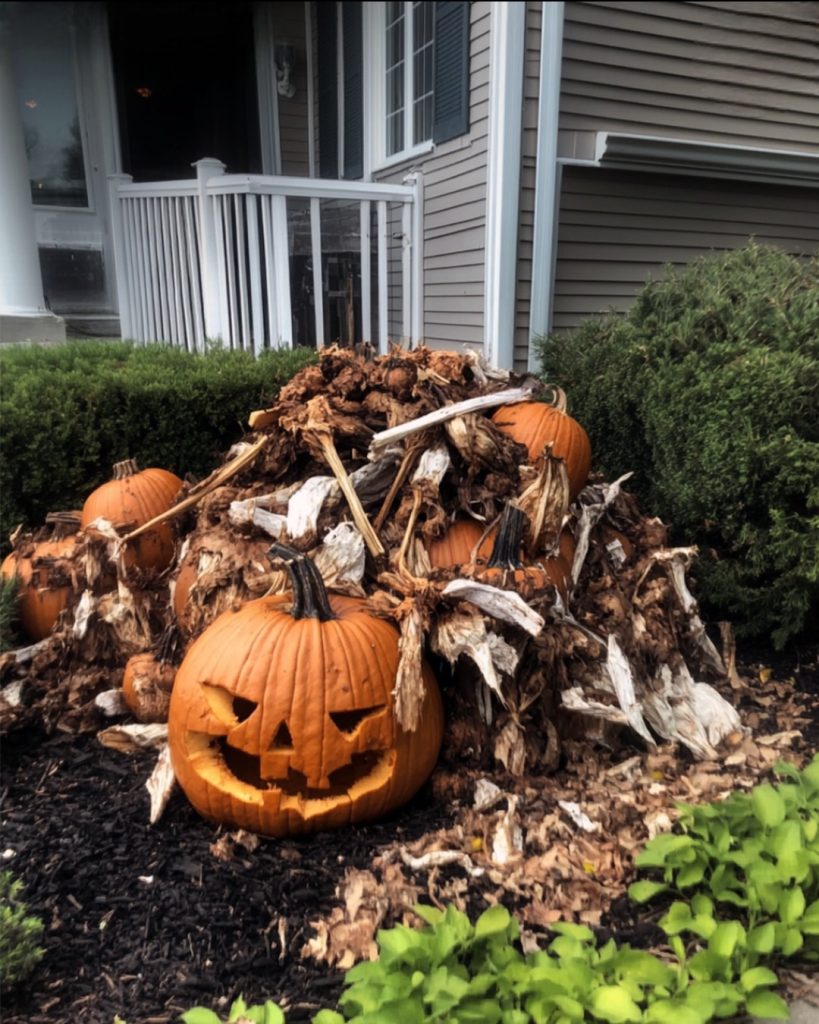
454	215
526	212
618	229
743	74
289	26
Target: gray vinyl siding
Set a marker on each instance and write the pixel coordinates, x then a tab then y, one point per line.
742	74
617	229
454	216
289	26
526	212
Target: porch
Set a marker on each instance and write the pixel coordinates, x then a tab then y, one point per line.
267	261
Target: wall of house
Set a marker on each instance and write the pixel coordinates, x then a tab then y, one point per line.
289	27
618	228
455	215
726	72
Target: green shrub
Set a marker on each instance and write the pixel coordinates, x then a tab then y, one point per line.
8	613
19	952
69	412
707	389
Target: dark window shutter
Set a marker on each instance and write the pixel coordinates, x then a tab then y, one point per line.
353	91
327	88
451	70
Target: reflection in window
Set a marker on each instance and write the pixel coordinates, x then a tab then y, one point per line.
44	73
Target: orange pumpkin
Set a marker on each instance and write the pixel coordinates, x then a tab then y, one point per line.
455	546
146	687
505	567
281	717
184	581
134	497
536	424
39	604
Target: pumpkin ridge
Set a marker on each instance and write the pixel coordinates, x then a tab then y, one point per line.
370	641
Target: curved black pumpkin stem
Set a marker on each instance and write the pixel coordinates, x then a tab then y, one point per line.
506	550
310	599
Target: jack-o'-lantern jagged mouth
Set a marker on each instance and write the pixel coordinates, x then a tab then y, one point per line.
247	769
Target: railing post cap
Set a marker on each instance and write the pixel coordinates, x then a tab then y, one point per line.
210	163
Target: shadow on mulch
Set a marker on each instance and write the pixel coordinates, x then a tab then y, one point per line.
146	922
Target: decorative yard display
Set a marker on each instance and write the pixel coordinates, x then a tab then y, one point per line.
536	424
282	720
40	599
133	497
505	567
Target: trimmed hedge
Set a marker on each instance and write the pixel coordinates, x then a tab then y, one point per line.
708	389
68	413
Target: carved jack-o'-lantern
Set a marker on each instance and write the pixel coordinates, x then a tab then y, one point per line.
281	718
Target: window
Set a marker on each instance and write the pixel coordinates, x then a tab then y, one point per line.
408	75
43	55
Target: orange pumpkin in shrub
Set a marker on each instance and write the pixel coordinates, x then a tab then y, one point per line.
40	604
454	546
134	497
282	714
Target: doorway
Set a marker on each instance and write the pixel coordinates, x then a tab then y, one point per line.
186	87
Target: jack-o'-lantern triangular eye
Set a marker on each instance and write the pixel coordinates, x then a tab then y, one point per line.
348	721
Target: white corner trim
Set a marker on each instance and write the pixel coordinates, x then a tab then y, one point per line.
547	178
266	92
311	93
506	60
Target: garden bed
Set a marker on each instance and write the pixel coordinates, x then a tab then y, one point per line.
145	922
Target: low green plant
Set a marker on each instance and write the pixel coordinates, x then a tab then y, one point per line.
8	613
756	852
19	934
239	1013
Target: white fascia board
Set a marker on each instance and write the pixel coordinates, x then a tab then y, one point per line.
696	157
507	35
547	177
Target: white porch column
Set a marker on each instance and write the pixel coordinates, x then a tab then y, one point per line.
23	313
212	284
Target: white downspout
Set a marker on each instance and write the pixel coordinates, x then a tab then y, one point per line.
23	313
507	50
547	178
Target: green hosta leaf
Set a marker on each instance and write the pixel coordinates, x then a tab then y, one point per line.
707	965
810	775
661	849
580	932
571	1008
677	919
328	1017
725	938
757	977
432	915
613	1004
792	905
769	807
514	1017
642	892
701	904
762	938
493	921
767	1004
792	942
785	839
644	969
200	1015
669	1011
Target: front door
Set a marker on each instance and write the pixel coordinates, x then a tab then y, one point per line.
186	87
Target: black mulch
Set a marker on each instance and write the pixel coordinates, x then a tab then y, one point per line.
146	922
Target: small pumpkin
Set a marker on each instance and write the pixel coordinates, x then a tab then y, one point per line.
536	424
456	544
281	717
505	567
134	497
40	604
146	687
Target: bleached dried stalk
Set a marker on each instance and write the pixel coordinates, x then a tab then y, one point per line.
426	480
128	739
590	515
505	605
254	511
450	412
160	785
230	469
407	462
545	502
410	688
322	436
464	632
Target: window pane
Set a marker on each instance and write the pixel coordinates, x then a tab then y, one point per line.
395	43
44	75
395	133
422	119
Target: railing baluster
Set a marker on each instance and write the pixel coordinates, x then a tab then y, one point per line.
137	315
254	262
145	239
383	313
366	283
230	258
284	318
315	258
270	287
175	290
192	229
406	274
241	264
221	271
184	284
170	290
161	270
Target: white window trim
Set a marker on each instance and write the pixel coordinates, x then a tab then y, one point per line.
374	24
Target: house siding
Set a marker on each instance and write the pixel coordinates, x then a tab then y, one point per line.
617	229
454	216
733	73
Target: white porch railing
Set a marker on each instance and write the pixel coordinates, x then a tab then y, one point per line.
209	258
